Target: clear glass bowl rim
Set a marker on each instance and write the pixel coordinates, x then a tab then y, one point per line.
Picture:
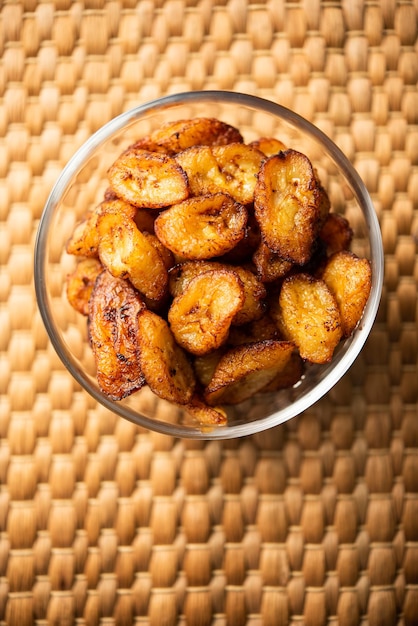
357	187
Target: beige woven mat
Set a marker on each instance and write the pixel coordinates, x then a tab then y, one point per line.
314	522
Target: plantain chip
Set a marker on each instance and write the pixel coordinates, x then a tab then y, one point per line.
287	205
148	179
288	376
256	330
166	368
255	293
200	317
80	284
114	306
349	279
231	169
206	415
85	238
241	253
239	164
268	145
166	255
177	136
202	227
336	233
128	253
253	306
270	266
180	275
246	369
205	365
307	314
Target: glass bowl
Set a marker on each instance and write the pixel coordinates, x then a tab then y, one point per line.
81	185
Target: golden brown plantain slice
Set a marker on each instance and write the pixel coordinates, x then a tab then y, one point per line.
128	253
349	278
80	284
239	164
166	368
201	316
148	179
177	136
206	415
231	169
288	376
246	247
287	205
85	238
336	233
205	365
268	145
180	275
114	306
246	369
270	266
119	206
165	254
257	330
202	170
253	305
202	227
307	314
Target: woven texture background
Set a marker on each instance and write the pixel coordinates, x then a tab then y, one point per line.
314	522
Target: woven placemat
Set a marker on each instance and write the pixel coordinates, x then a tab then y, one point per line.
314	522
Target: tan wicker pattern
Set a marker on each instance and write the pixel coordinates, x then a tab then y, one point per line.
314	522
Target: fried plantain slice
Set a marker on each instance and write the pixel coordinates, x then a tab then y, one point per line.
231	169
85	238
239	164
114	306
202	227
336	233
165	254
253	306
270	266
256	330
307	314
173	137
268	145
287	205
128	253
288	376
206	415
242	252
148	179
180	274
349	278
202	170
119	206
166	368
80	284
205	364
247	369
200	317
